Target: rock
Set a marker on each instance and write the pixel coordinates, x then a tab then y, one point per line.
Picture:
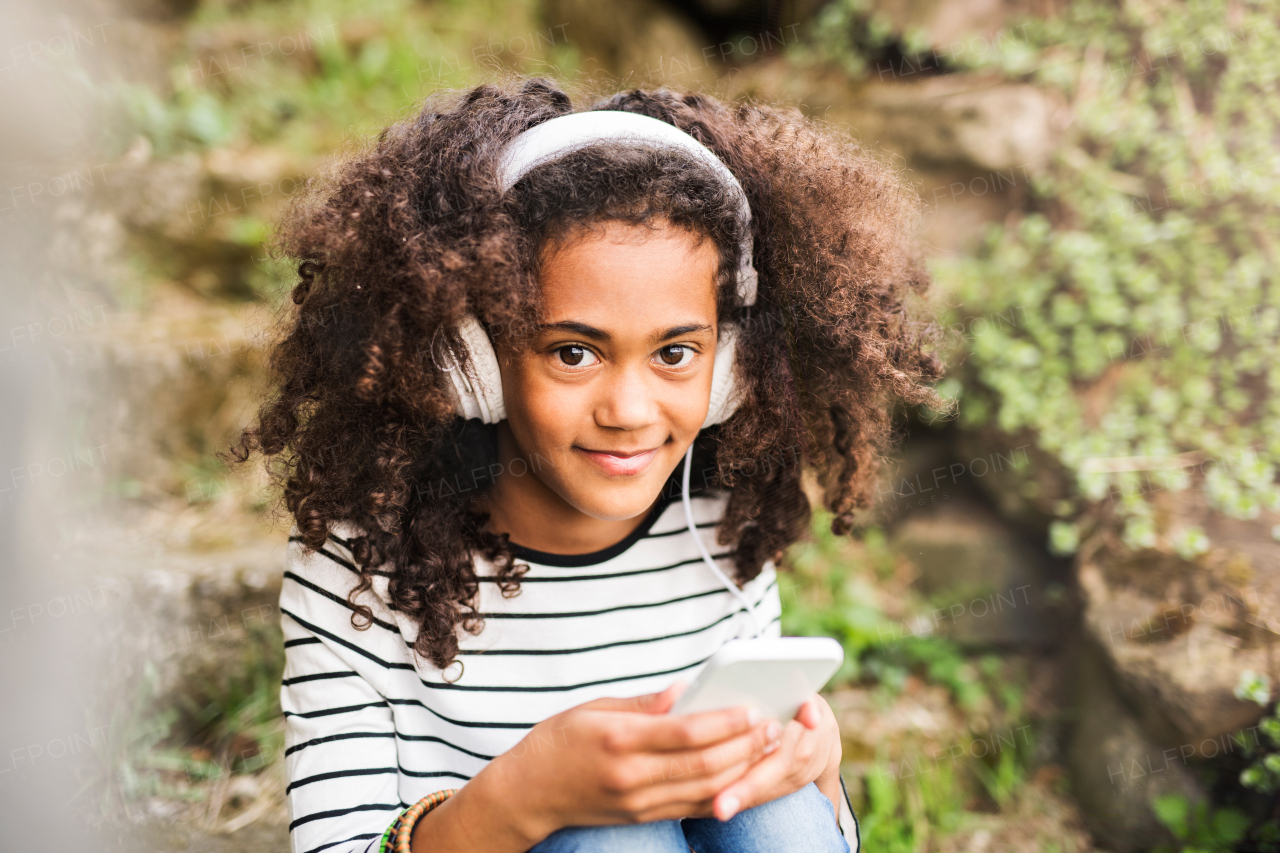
1116	769
1039	818
934	468
1028	493
635	40
901	740
1178	633
960	30
161	195
966	120
185	376
166	599
973	143
990	587
963	119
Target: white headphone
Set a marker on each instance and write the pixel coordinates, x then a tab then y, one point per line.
480	395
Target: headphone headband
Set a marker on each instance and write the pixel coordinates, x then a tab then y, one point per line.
568	133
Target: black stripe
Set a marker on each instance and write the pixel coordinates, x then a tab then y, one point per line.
740	609
430	774
339	599
559	688
326	712
339	774
368	807
466	723
398	735
329	738
361	837
577	561
683	528
443	742
355	648
571	578
348	644
319	676
565	687
572	614
301	641
470	724
409	645
346	564
489	579
447	686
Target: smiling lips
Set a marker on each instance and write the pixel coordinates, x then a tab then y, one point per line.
619	463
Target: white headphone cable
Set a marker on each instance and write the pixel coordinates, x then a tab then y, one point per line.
706	556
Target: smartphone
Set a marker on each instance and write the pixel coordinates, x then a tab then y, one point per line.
775	674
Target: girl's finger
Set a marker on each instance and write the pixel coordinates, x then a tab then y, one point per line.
809	715
690	770
765	776
665	733
649	703
750	747
694	797
745	793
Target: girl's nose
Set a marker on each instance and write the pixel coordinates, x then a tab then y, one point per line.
626	400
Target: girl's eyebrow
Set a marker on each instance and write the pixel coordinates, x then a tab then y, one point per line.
588	331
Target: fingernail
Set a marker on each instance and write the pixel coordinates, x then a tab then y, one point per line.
753	715
770	746
730	805
773	731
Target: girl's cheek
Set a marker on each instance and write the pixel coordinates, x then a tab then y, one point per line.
553	417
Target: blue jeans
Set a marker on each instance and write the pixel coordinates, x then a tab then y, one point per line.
803	822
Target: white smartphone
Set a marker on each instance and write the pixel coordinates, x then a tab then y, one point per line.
775	674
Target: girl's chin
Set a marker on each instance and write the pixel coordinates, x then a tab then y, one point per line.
612	500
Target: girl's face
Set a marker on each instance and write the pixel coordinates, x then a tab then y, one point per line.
616	384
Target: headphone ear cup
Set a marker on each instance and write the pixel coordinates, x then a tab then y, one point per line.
478	395
725	394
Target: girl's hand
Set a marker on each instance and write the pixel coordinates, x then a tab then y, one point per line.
615	761
809	752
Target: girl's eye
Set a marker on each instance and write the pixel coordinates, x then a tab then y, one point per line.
576	356
675	355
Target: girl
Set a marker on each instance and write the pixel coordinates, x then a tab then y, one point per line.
540	418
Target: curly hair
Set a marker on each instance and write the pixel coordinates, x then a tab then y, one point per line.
403	239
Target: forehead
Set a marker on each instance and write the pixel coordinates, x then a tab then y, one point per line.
618	275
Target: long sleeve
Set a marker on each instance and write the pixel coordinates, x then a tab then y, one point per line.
340	743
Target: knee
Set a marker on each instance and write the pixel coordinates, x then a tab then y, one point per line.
801	822
658	837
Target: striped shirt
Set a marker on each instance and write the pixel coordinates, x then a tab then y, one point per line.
371	729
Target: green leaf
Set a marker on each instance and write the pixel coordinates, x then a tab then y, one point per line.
1229	826
1171	810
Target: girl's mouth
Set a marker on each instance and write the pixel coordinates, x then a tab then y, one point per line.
619	463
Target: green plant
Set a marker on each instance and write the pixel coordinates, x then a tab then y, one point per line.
847	33
1129	321
1198	828
231	707
1005	775
1263	773
900	815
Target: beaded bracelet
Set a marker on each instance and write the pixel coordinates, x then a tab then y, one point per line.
384	843
405	823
